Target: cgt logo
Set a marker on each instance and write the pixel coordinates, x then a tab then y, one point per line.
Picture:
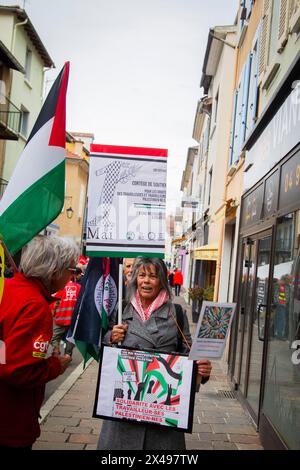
2	352
40	347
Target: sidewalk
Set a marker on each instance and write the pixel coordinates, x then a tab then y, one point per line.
220	423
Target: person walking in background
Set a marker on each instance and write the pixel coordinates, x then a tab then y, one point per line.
171	279
63	312
26	330
178	281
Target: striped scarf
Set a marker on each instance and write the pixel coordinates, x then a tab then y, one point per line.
145	314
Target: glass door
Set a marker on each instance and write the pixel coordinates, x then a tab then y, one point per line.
246	291
281	401
258	319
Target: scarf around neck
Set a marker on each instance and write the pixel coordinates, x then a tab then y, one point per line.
145	314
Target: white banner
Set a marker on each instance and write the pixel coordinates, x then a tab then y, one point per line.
126	202
212	330
146	387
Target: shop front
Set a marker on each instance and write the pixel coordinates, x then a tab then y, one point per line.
264	359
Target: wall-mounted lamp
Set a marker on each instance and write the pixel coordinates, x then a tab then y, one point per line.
70	212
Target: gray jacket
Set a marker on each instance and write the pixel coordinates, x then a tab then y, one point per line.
158	333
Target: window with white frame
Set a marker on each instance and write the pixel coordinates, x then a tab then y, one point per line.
24	122
28	61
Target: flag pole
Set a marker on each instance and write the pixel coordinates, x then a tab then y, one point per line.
120	297
9	257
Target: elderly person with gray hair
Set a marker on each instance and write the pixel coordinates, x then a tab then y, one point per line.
149	321
26	330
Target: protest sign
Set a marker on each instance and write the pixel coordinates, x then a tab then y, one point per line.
212	330
146	387
126	202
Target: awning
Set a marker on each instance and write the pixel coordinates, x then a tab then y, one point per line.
9	59
206	252
178	240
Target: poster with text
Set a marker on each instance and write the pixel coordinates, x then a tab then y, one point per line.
212	330
126	201
146	387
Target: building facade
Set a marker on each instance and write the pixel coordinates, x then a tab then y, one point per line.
72	218
24	92
263	360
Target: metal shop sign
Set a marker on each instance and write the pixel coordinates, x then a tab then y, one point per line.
279	137
252	207
290	182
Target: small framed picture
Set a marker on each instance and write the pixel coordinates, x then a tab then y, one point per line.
212	330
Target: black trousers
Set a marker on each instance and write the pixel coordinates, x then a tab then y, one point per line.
177	289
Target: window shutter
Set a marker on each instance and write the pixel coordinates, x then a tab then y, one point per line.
265	36
232	132
238	127
283	24
242	12
246	85
256	76
295	15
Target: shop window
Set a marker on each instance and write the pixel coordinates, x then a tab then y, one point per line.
282	390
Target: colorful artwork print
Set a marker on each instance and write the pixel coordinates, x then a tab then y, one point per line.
154	381
145	387
215	322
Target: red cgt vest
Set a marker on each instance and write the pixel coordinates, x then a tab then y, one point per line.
64	311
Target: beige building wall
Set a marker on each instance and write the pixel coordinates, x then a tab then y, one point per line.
222	86
25	93
234	184
75	197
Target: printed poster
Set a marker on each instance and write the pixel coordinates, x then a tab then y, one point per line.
126	201
212	330
146	387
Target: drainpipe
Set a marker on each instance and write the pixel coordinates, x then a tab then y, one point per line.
205	111
14	33
220	248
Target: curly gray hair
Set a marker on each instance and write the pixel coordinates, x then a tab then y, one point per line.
46	257
161	272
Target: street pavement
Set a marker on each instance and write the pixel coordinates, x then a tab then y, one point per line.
53	385
219	422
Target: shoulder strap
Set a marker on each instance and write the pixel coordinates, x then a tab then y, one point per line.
180	322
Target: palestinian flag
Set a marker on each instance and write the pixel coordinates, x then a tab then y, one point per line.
97	300
35	193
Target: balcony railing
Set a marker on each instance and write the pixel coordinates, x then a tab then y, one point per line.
10	118
3	184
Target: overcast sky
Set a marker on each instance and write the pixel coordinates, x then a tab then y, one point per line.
135	68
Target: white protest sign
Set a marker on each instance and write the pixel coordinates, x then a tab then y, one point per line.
126	201
159	389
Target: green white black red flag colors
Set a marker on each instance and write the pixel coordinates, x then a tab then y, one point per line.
35	193
96	302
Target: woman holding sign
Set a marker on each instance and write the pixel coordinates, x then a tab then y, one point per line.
150	321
